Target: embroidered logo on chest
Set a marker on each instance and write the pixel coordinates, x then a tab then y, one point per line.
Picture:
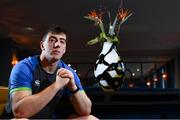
37	82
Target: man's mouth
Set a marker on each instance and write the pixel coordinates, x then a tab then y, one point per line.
56	52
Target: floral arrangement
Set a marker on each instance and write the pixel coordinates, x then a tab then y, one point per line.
114	28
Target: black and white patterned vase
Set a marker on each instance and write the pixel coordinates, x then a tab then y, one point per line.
109	70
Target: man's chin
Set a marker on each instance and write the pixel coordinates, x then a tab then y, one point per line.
56	58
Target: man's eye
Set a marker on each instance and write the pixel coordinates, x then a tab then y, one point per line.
62	41
51	40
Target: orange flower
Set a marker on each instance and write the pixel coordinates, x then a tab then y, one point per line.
114	27
122	14
93	14
96	16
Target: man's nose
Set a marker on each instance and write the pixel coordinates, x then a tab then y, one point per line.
57	44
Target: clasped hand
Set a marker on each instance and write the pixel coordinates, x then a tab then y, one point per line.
65	77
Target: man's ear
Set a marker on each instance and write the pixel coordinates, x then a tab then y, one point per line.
42	45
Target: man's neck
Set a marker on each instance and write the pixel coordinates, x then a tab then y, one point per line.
48	65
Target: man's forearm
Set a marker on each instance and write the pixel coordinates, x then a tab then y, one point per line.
32	104
81	103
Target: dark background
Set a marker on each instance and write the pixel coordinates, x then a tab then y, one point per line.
150	37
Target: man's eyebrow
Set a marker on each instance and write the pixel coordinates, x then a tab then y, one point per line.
57	38
52	37
62	39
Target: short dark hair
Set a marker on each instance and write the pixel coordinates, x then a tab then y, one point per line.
54	29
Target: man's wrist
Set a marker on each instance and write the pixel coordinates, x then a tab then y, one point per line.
75	91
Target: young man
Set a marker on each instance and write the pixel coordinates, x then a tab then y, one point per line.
37	83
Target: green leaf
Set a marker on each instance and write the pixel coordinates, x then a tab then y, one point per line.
93	41
115	39
90	18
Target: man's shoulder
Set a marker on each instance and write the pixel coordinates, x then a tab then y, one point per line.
63	65
32	59
31	62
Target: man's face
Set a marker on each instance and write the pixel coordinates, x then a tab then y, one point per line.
54	45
